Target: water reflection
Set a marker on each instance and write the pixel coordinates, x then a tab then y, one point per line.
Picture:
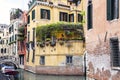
25	75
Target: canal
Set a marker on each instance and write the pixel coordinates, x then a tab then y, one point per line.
25	75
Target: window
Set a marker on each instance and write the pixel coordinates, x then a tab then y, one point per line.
33	45
112	9
12	37
63	16
28	46
42	60
80	18
33	57
71	17
5	50
115	56
28	19
68	59
33	14
45	14
15	37
89	14
2	50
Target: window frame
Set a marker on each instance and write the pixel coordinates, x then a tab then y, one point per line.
69	59
115	52
45	13
63	16
112	9
42	60
33	14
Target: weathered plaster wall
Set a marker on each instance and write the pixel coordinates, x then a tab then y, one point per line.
97	43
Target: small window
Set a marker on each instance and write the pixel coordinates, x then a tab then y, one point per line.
2	50
115	56
63	16
45	14
71	17
80	18
68	59
28	21
89	14
42	60
33	14
112	9
5	50
33	57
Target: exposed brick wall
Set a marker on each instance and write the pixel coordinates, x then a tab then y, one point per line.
52	70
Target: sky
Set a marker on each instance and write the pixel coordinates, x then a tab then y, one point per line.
5	7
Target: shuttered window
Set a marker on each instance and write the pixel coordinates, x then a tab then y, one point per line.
89	15
115	59
68	59
28	46
112	9
63	16
33	14
42	60
28	19
71	17
80	18
45	14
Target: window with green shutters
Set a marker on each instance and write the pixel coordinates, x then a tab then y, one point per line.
89	15
28	19
33	14
45	14
63	16
80	18
112	9
71	17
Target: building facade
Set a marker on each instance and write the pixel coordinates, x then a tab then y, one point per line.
102	39
53	58
17	32
4	41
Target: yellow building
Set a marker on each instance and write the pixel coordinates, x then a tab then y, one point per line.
61	59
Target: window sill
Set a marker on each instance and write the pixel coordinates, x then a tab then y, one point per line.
33	20
45	19
114	20
90	29
115	68
28	25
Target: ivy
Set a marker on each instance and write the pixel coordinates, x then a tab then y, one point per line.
68	29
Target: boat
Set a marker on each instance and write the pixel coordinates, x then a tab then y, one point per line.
9	70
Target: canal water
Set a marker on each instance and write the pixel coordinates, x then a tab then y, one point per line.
25	75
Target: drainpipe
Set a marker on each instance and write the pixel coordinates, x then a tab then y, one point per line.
85	71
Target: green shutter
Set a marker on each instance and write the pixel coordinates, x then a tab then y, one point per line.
33	14
60	14
109	12
89	17
117	9
67	17
48	14
42	13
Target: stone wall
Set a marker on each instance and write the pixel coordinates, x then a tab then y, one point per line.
55	70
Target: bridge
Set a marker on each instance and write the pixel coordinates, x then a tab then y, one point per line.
11	60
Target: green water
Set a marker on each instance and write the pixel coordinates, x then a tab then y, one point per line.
25	75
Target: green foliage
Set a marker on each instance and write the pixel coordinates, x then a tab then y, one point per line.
47	31
12	42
